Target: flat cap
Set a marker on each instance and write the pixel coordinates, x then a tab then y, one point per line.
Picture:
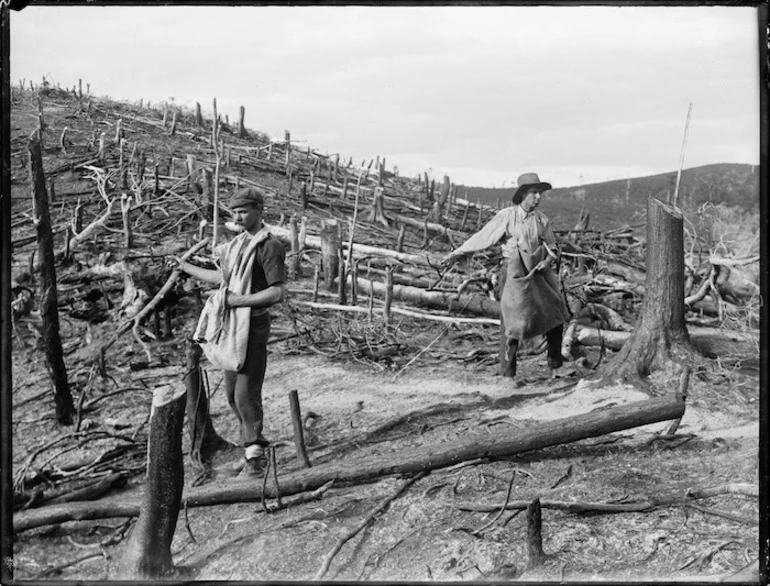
248	196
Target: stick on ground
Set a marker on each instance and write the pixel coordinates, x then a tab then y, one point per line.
368	519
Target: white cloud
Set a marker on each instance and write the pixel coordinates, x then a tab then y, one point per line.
484	91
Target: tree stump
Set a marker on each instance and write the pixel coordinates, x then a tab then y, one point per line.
241	125
535	534
49	311
331	243
660	337
294	260
148	552
377	211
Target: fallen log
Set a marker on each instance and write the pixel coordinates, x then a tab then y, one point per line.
477	304
648	504
284	234
710	342
401	311
490	443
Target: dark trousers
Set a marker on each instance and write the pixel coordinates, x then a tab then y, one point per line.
509	346
244	388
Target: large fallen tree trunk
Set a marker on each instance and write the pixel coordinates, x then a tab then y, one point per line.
477	304
491	443
710	342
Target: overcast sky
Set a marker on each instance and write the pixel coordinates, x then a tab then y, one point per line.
483	94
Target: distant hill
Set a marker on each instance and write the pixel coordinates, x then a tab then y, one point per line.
615	203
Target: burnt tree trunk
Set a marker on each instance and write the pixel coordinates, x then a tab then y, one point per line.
377	211
660	337
489	443
148	552
331	242
204	440
48	299
241	125
437	211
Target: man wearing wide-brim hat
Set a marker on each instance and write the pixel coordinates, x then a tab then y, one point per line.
531	301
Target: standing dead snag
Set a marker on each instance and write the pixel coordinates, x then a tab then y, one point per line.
148	553
661	333
330	247
48	298
241	126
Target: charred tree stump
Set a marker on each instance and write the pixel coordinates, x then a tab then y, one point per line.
204	440
331	243
49	312
101	154
148	552
191	171
172	130
63	140
198	115
125	208
294	260
122	170
40	119
535	534
344	195
241	125
400	241
342	292
287	139
660	337
299	437
303	194
377	211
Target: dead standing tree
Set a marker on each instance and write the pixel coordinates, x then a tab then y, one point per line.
660	337
48	298
437	211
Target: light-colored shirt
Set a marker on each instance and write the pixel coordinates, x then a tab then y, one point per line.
520	229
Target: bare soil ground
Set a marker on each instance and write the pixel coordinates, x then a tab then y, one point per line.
423	534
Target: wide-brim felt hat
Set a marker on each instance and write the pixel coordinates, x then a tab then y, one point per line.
524	182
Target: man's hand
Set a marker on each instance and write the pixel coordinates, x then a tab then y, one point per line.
231	299
543	265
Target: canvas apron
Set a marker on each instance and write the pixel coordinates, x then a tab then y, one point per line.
531	302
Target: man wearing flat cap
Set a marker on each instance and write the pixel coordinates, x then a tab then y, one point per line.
235	322
531	302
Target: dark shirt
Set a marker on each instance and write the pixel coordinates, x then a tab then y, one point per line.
269	266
